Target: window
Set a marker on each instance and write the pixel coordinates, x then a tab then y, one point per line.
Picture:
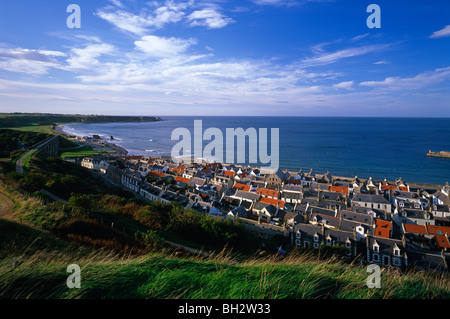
396	252
316	238
376	257
376	248
396	262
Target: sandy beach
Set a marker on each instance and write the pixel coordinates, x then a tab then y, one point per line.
100	145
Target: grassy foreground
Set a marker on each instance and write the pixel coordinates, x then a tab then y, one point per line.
44	275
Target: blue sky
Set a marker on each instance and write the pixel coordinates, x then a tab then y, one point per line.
218	57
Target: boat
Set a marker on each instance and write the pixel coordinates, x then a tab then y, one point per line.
444	154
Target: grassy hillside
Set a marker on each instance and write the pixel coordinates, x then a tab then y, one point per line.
43	122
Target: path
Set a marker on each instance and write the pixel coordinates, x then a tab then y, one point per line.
44	143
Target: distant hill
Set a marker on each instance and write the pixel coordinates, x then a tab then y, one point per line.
25	119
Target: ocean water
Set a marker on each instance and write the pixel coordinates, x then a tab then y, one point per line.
365	147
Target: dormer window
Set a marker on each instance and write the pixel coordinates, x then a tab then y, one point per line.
396	250
376	247
329	240
316	237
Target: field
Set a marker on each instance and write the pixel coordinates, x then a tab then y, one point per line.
86	150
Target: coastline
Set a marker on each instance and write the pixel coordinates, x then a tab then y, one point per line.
100	145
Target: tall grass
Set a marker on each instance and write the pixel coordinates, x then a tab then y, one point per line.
157	275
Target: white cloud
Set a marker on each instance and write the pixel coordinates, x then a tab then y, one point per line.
209	18
86	58
161	47
359	37
328	58
381	62
140	23
347	85
422	80
445	32
35	62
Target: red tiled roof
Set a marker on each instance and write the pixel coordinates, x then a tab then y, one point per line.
182	179
267	192
179	170
272	201
383	228
393	187
339	189
159	174
442	241
228	173
413	228
242	187
293	182
438	230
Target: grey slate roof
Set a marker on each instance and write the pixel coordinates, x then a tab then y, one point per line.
368	198
356	217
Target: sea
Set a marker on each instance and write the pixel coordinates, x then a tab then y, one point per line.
381	148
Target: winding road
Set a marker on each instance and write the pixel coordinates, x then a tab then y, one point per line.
19	162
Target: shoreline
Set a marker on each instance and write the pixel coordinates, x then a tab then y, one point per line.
100	145
122	151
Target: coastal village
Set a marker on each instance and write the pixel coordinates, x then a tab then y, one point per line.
393	224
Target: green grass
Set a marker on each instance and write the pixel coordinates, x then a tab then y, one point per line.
86	150
47	129
27	159
162	276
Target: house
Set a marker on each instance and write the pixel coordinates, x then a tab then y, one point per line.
441	197
412	216
367	219
243	187
196	182
276	202
339	189
150	192
95	163
371	201
114	173
182	181
238	212
268	213
441	242
131	180
428	261
276	179
383	228
311	236
386	252
440	210
325	220
222	180
398	197
269	193
308	235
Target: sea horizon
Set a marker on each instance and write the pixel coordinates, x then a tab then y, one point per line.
381	148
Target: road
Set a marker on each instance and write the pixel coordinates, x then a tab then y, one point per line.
19	162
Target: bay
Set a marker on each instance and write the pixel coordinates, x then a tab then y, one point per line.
345	146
